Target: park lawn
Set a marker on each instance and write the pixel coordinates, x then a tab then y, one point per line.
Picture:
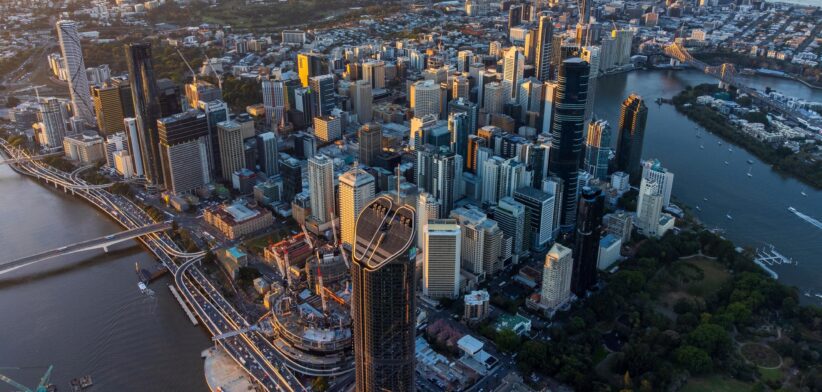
257	244
715	274
716	383
768	375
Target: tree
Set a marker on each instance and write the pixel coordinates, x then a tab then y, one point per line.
507	340
694	359
712	338
319	384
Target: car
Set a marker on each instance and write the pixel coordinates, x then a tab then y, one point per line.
108	237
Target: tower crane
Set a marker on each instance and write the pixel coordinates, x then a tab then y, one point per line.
43	386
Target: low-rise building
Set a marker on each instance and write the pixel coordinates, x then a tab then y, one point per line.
238	219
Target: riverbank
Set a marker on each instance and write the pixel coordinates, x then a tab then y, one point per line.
799	165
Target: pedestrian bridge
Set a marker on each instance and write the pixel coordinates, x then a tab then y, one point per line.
97	243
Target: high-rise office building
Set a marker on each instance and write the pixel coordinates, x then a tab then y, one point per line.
598	149
586	245
567	122
459	126
292	174
510	215
108	108
362	100
556	277
321	187
146	108
653	169
184	151
490	177
474	144
273	102
328	128
483	250
539	216
52	123
310	65
201	90
649	212
494	98
514	16
169	97
471	110
425	98
513	68
442	253
382	299
356	190
545	38
268	153
630	135
370	137
428	207
216	112
323	100
69	39
232	152
132	133
374	73
591	55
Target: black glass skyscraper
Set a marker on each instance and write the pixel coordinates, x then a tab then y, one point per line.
545	39
146	108
567	120
382	298
586	244
630	136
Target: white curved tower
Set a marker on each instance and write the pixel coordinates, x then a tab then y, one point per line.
79	90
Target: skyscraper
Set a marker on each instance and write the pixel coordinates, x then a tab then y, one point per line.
310	65
292	174
323	100
232	153
545	37
649	212
494	98
539	216
586	245
374	73
69	40
556	277
513	70
108	109
425	98
321	187
53	126
273	102
510	214
370	136
630	136
597	149
268	153
567	124
356	190
382	299
184	151
216	112
363	98
441	258
653	169
482	242
428	207
146	108
459	127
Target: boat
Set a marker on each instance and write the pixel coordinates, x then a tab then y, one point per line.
704	199
728	215
750	162
749	172
698	208
78	384
730	150
726	162
806	218
802	192
702	146
718	143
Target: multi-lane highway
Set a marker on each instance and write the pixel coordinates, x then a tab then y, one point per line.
251	351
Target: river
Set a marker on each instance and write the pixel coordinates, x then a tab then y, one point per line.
757	204
83	313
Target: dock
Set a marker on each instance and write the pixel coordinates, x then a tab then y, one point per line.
183	305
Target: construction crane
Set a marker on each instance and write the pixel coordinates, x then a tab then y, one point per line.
43	386
194	74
